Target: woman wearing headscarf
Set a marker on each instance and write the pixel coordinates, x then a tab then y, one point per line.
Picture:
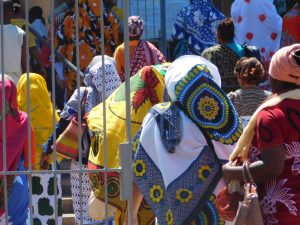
94	96
17	156
147	89
271	143
291	26
183	144
257	23
89	41
41	116
142	53
195	27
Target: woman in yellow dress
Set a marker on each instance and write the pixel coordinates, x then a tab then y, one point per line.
41	118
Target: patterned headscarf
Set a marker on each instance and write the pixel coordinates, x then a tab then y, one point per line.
136	26
195	83
93	73
93	81
197	24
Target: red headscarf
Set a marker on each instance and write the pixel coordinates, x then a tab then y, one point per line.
15	127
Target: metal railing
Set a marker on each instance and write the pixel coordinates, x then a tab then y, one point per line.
125	148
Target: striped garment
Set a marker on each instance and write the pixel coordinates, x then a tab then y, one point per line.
246	101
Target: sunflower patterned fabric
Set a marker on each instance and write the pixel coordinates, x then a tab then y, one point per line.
89	37
180	186
147	89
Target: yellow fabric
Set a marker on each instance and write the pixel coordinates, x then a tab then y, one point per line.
243	145
116	125
120	55
21	23
147	89
41	111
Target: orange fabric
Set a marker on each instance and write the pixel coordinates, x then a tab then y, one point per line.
120	55
26	150
291	27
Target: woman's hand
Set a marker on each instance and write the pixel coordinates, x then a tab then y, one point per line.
232	171
45	161
226	171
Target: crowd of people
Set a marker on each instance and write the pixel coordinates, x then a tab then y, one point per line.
230	97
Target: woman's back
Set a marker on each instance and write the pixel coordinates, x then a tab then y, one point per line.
276	125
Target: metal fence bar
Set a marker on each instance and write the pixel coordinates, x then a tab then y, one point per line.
61	171
3	116
54	111
49	46
128	108
28	112
79	102
104	110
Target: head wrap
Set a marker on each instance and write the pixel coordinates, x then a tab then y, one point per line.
93	73
93	80
41	109
195	83
197	25
283	65
265	35
180	68
136	26
15	123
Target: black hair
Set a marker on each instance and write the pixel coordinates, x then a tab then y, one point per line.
35	12
249	70
226	30
16	5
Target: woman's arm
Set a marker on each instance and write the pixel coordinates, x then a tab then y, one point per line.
271	166
59	128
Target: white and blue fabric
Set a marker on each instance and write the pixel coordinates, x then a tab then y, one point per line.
177	167
265	34
196	26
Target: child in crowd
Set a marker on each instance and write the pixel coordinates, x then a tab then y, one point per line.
38	23
249	73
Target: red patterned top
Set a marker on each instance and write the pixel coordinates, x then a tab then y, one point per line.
280	197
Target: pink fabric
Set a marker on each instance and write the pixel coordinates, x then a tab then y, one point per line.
283	66
16	127
146	54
